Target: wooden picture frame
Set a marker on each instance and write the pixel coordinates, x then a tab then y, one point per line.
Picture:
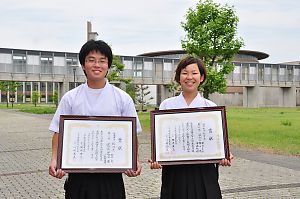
97	144
189	136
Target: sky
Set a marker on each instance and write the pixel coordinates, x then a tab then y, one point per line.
134	27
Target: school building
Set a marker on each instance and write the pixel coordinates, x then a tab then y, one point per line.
251	83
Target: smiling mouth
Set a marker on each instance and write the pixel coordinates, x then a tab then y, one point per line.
97	71
189	83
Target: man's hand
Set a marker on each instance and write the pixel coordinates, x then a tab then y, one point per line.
132	173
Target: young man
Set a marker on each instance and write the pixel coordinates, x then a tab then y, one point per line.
94	98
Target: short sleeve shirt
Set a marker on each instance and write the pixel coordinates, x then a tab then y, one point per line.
178	102
83	100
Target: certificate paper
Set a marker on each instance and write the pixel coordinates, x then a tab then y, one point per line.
187	136
97	144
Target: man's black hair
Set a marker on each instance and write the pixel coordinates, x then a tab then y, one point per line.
98	46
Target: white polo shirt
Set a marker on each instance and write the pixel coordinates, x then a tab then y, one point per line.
108	101
178	102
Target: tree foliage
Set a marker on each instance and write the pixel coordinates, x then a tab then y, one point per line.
173	88
55	98
4	89
9	87
35	97
131	90
115	71
211	35
141	96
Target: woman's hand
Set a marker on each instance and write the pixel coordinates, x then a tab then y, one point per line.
226	162
53	170
154	165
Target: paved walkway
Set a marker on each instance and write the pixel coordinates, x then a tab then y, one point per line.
25	148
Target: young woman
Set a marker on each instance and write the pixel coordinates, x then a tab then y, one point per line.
192	181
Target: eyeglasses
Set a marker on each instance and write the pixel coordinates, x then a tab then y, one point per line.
92	60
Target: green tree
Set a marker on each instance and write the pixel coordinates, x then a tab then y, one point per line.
141	99
9	87
115	70
173	88
35	97
211	35
55	98
131	90
4	89
12	88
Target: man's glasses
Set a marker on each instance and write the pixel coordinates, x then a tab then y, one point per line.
92	60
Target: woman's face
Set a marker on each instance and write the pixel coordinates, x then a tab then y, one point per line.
190	78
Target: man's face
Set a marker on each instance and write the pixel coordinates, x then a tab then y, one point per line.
95	66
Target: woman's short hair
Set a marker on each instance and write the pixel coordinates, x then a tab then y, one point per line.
187	61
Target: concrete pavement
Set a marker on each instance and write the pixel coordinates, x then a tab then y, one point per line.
25	151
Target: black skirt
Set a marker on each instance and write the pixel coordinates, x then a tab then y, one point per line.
94	186
197	181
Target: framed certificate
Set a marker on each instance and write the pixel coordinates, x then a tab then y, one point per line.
189	136
90	144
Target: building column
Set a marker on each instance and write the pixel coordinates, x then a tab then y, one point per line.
46	92
63	87
289	96
31	83
158	94
16	96
162	93
252	96
24	96
39	91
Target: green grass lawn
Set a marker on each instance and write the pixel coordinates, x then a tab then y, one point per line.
30	108
275	130
270	129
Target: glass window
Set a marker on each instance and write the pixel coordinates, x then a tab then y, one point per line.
148	65
27	91
289	73
167	66
33	59
19	63
20	92
71	61
43	91
275	73
46	65
138	69
128	64
5	58
50	91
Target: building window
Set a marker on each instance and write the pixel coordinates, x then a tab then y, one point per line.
71	61
27	91
19	63
46	65
138	68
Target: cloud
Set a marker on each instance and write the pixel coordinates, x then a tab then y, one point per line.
137	26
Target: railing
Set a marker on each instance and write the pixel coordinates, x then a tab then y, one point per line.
161	71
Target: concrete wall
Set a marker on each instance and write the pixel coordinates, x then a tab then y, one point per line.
262	96
297	96
228	99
